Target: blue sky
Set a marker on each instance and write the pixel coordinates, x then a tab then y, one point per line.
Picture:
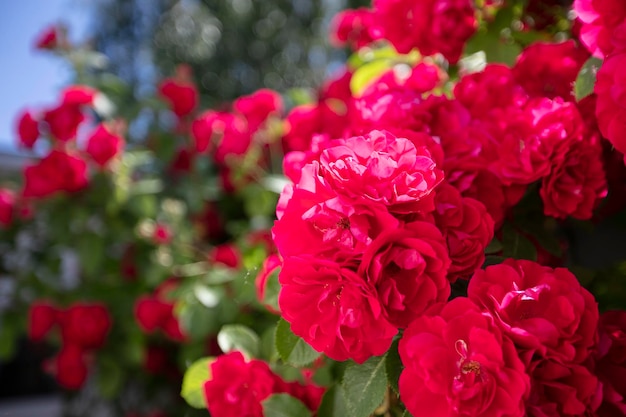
28	78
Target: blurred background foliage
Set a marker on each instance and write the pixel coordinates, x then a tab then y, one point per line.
234	47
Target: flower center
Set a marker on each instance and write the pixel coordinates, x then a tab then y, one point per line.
469	369
344	223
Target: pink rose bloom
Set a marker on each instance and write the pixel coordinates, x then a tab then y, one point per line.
408	268
545	311
467	228
611	103
333	308
458	363
103	146
382	168
603	28
237	386
550	69
432	26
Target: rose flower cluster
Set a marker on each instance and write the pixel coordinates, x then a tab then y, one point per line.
397	189
83	328
65	167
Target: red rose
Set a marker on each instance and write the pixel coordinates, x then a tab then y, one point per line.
182	163
103	145
535	139
172	328
151	313
70	367
333	309
603	28
549	69
313	219
610	363
382	168
269	271
611	103
493	88
226	254
7	207
78	95
86	325
48	39
232	138
63	121
467	228
458	363
27	130
310	394
355	28
301	124
180	92
544	310
576	183
388	105
258	107
237	386
42	316
59	171
408	268
432	26
561	389
162	234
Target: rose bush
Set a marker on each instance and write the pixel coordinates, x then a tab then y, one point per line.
412	240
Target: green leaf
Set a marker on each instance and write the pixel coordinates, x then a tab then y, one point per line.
494	246
393	366
517	246
367	55
364	386
193	382
333	403
91	252
197	320
284	405
367	74
586	79
241	338
272	290
8	338
496	48
291	348
110	378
